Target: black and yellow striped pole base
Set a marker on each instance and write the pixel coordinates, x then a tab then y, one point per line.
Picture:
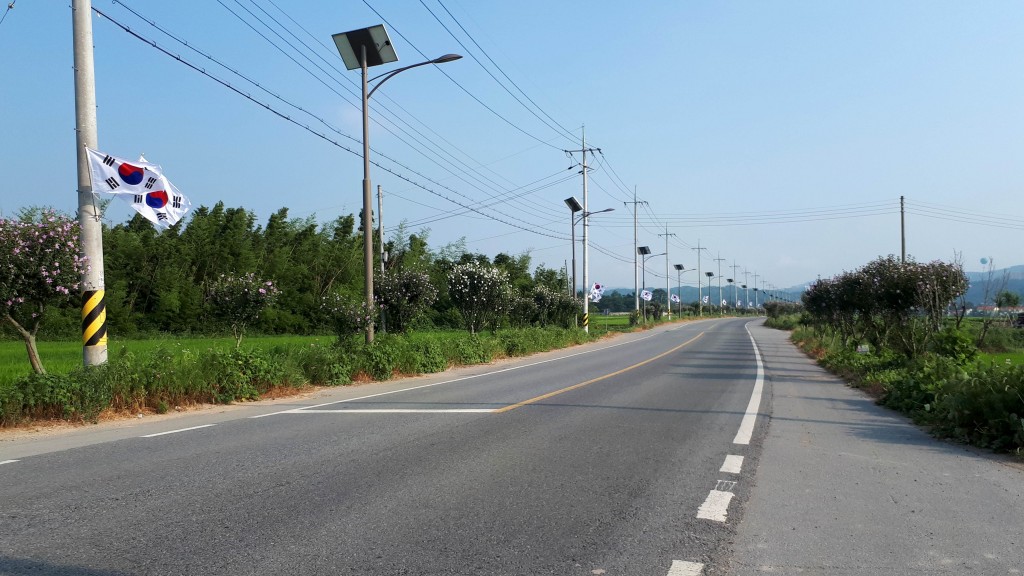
94	318
586	322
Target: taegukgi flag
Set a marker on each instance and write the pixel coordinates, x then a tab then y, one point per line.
674	298
141	184
646	295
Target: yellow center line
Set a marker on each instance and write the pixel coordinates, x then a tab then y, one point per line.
598	379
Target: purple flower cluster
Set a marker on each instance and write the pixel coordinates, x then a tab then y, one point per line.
40	264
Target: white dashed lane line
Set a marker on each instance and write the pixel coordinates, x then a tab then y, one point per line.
732	465
680	568
176	431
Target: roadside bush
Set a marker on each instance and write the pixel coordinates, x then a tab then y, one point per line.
985	407
326	365
66	396
380	359
10	404
422	354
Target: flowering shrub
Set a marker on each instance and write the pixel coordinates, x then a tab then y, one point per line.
346	314
481	293
887	302
403	295
239	300
40	265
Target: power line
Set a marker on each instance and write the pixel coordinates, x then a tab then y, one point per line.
6	12
529	228
461	87
571	135
456	171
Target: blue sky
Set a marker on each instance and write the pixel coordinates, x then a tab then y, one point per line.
780	135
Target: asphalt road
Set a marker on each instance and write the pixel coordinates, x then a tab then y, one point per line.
619	457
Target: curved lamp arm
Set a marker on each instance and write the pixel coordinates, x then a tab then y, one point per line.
388	75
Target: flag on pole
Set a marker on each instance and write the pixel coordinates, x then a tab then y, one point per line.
596	292
141	184
739	303
705	299
724	302
674	298
646	295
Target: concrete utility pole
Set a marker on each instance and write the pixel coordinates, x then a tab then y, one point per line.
380	221
636	273
586	226
721	309
700	296
746	289
734	282
903	235
755	290
668	279
94	310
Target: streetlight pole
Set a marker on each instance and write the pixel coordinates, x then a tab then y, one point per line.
574	207
361	49
679	288
710	275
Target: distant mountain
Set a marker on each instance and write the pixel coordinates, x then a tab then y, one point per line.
994	283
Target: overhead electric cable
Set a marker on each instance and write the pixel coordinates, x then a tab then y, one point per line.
529	228
559	130
461	87
421	149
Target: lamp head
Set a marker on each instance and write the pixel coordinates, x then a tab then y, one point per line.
643	250
446	58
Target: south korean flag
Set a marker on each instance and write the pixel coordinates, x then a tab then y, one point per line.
141	184
674	298
646	295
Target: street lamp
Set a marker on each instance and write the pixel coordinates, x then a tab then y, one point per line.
710	275
574	207
679	287
361	49
645	251
731	281
642	251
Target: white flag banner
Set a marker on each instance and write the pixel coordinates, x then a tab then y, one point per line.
674	298
724	302
739	303
596	292
646	295
705	299
141	184
750	304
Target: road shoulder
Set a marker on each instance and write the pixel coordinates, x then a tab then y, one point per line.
844	486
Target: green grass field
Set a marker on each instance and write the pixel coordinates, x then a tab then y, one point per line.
1003	357
62	357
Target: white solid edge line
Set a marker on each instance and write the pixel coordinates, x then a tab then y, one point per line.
681	568
750	416
176	431
306	408
396	411
732	464
9	462
715	506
